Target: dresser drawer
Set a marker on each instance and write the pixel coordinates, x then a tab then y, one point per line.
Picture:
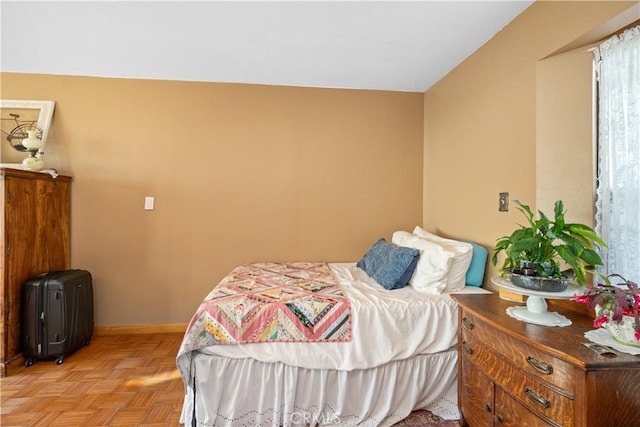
530	392
476	396
510	413
530	360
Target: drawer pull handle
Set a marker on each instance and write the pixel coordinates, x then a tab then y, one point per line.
486	407
467	347
497	418
467	323
540	366
537	398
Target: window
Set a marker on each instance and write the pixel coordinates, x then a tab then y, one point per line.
617	62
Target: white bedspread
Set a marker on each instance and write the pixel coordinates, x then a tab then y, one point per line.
386	326
243	392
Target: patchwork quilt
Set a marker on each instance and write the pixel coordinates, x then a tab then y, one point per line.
265	302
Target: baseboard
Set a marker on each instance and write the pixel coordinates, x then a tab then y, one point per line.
10	367
141	329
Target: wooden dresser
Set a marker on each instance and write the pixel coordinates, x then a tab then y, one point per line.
512	373
34	238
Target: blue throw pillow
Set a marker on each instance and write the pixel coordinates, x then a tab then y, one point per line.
388	264
475	273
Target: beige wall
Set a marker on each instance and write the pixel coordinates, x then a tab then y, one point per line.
481	128
239	173
565	135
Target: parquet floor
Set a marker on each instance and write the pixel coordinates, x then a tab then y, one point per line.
119	380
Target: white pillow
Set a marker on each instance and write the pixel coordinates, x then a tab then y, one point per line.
433	265
461	261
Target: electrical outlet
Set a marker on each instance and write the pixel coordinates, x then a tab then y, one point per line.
503	202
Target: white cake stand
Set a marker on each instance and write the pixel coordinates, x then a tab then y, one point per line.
536	309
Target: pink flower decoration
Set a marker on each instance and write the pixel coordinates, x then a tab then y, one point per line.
615	301
600	321
582	299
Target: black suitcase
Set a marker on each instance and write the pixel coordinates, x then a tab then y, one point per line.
57	315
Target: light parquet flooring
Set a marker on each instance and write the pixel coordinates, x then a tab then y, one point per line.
118	380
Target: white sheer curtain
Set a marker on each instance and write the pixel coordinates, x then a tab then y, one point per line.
618	180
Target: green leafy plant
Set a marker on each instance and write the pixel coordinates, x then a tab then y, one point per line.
545	243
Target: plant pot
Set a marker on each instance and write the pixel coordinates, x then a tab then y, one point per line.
624	331
537	283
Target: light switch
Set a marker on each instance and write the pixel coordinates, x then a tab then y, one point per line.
503	202
148	203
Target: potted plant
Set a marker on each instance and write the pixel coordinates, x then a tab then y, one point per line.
540	248
617	308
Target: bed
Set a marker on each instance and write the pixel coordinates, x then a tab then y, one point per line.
377	353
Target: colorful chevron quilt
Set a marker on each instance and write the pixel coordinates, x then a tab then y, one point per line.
266	302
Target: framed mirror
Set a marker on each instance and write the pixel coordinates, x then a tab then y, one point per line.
17	118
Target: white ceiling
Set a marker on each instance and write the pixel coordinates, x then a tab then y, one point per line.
392	45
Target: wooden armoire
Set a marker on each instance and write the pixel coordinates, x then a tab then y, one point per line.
34	238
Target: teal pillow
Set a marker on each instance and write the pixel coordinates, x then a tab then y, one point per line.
475	273
388	264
